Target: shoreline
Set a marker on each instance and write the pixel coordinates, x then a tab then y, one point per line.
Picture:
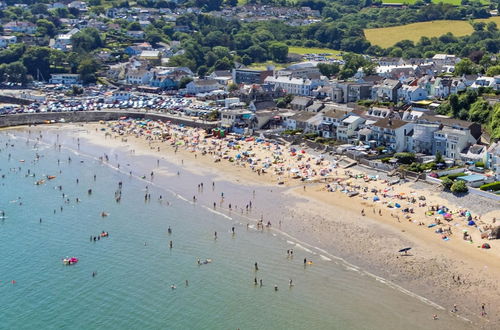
311	205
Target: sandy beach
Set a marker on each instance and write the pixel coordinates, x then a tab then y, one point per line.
366	230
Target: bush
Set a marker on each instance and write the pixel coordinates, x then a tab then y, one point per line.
405	157
456	175
446	183
385	159
459	187
494	186
311	136
479	164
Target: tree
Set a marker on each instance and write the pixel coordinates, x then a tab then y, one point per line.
45	27
37	60
458	187
232	87
86	40
13	72
493	71
87	69
438	158
153	37
454	104
134	26
405	157
446	183
479	111
278	51
329	70
184	81
465	66
202	71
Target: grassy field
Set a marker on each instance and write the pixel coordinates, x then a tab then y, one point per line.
263	65
386	37
312	50
300	51
451	2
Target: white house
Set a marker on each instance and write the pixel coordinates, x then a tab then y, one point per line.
332	117
451	141
445	59
391	133
409	93
5	41
202	86
138	77
295	86
492	82
65	79
346	131
63	41
493	159
80	5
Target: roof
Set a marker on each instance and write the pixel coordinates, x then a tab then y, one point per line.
205	82
335	113
446	121
316	106
301	100
303	116
150	53
472	178
351	119
390	123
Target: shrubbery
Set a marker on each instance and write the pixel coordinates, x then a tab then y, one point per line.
446	183
459	187
405	157
494	186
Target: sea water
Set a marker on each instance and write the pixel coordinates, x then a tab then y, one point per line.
135	268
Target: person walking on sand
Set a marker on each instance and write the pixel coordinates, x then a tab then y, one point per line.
483	310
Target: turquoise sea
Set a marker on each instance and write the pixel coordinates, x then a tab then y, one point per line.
135	267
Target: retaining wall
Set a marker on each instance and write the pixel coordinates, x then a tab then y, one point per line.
93	116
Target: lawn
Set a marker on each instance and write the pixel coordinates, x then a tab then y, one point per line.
386	37
312	50
263	65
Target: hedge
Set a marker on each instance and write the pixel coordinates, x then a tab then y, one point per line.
495	186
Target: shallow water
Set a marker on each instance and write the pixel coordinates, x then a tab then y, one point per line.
136	268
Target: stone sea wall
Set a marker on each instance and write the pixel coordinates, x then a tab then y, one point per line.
93	116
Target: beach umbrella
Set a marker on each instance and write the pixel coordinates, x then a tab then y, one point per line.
405	250
376	198
485	246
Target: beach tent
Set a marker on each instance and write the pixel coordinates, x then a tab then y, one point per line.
376	198
471	223
485	246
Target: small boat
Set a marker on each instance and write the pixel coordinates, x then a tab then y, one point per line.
51	177
104	214
40	182
104	234
70	261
